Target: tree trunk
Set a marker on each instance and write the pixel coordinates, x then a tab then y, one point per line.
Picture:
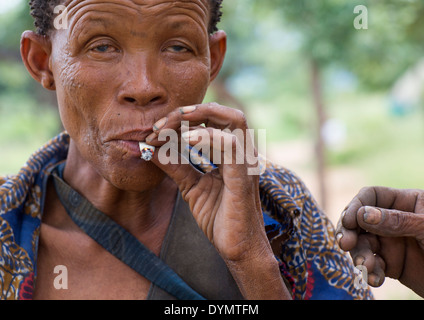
319	143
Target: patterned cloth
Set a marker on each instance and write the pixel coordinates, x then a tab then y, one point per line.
310	259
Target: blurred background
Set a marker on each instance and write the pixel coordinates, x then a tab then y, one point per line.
339	91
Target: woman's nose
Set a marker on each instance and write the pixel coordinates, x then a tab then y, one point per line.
142	85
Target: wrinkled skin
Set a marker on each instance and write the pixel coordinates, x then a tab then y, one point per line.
119	68
152	65
383	229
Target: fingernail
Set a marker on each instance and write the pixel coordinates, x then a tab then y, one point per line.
151	136
343	215
188	109
374	280
160	124
190	135
372	215
359	261
339	236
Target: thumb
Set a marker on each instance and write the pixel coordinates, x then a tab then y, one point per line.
391	223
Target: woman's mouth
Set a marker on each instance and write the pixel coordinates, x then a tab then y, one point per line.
128	147
128	143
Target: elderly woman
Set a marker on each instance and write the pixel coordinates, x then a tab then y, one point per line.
93	204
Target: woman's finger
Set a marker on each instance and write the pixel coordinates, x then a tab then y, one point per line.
346	238
210	115
377	276
391	223
366	196
364	252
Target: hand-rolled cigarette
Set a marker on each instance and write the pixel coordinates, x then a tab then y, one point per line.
147	151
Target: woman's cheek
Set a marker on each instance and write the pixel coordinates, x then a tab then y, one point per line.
190	84
76	97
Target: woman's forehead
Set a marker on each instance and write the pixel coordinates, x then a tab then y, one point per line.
126	9
202	4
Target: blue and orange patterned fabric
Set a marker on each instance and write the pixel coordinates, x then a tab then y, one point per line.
310	260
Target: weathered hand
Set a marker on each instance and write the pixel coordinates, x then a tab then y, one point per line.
383	228
225	202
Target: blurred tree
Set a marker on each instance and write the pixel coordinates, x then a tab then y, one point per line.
377	55
392	43
326	28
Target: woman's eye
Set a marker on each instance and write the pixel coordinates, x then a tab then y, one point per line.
105	48
178	49
101	48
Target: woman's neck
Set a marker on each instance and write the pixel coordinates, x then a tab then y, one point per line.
136	211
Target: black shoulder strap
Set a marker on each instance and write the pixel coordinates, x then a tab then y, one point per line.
121	243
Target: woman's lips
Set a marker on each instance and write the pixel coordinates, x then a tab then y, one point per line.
129	147
128	142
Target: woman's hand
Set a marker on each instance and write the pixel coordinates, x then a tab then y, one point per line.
225	202
383	229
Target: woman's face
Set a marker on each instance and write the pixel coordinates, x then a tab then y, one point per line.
120	66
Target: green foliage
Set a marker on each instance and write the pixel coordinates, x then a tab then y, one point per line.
326	26
13	23
388	47
377	55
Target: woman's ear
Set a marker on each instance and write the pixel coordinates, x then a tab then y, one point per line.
35	52
218	48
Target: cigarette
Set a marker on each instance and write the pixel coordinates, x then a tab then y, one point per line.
147	151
